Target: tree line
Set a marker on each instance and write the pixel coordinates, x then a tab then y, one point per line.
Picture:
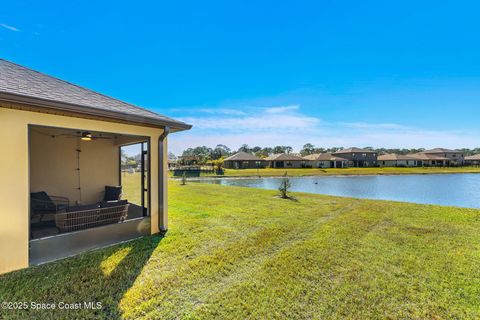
203	154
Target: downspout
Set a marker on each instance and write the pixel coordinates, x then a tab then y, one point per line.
161	175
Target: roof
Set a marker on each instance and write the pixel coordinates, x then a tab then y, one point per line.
284	157
19	84
354	150
394	157
243	156
441	150
323	157
474	157
426	156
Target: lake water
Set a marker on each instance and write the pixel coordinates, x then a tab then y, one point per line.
461	190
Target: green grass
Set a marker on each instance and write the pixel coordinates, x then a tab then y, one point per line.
131	187
268	172
241	253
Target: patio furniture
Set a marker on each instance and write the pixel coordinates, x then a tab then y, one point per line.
112	193
41	204
88	216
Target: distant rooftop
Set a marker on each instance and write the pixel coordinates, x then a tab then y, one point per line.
354	150
474	157
440	150
324	157
22	85
284	157
394	156
243	156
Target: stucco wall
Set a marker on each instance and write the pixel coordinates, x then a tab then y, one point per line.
53	166
397	163
15	180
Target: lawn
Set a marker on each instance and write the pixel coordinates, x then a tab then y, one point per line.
346	171
240	253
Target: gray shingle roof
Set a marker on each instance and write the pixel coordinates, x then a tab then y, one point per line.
23	82
354	150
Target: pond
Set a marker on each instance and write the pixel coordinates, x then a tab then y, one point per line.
461	190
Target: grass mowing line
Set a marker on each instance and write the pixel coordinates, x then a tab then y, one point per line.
250	267
250	251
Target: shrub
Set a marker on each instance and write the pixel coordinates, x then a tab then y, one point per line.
184	178
284	188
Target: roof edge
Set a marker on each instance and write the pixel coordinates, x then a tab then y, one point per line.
92	111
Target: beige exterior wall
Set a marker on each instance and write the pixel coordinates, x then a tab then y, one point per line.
15	179
397	163
53	166
287	164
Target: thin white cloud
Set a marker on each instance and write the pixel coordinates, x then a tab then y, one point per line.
366	125
261	122
223	111
287	125
282	109
9	27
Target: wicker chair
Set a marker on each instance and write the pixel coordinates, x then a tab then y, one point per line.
41	204
84	217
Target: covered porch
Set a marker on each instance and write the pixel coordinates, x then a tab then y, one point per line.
87	189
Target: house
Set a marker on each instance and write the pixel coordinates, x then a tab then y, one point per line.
398	160
285	160
473	160
358	157
61	169
243	160
325	160
440	157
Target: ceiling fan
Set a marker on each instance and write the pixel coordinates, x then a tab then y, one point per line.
85	136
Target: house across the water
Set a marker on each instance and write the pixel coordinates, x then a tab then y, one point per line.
473	160
62	190
285	160
325	160
358	157
398	160
243	160
440	157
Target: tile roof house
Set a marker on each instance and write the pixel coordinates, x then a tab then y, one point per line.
243	160
64	145
325	160
358	157
398	160
440	157
473	160
285	160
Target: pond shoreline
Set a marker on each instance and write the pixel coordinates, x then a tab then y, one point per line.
454	189
322	175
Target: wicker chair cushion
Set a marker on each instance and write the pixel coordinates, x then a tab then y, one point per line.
112	193
43	196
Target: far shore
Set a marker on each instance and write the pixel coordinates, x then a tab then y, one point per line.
305	172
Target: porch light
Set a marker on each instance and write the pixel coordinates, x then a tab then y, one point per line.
86	136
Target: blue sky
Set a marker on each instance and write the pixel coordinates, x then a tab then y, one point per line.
332	73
